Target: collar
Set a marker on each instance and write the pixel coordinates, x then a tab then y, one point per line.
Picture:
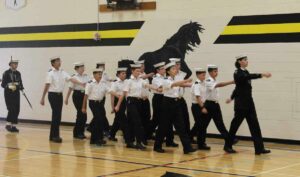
133	78
53	69
211	78
158	75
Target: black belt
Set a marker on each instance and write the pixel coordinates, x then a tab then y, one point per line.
56	93
95	101
134	98
79	91
211	101
173	99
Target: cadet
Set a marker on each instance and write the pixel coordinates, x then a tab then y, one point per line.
172	112
198	91
133	91
55	83
77	97
244	106
120	121
12	84
95	92
213	107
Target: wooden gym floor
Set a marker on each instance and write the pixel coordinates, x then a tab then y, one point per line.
29	153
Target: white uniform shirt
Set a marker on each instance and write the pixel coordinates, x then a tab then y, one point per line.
96	90
118	86
145	91
172	92
157	82
198	89
57	80
179	77
84	78
134	86
212	93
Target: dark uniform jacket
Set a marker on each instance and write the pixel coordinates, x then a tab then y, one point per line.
10	77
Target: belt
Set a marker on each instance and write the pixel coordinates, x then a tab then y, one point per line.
81	91
134	98
95	101
171	98
211	101
56	93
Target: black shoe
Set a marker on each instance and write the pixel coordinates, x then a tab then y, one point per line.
88	128
264	151
203	147
173	144
81	137
113	139
229	150
193	141
106	134
100	143
8	128
56	140
159	150
130	145
139	146
190	150
14	129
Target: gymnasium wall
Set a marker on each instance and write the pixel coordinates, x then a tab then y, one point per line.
277	99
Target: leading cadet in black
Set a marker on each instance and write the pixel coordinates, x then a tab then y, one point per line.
172	112
77	97
12	84
244	105
95	92
54	86
213	108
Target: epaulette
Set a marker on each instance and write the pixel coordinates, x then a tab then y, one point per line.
196	82
208	80
49	70
90	81
73	75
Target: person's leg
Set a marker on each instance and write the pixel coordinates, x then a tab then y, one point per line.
56	103
156	107
185	115
239	116
117	121
97	130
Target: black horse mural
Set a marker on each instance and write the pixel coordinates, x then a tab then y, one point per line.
185	40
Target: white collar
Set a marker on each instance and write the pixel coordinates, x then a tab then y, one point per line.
133	78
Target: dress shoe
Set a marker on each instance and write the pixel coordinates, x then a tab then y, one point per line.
159	150
190	150
203	147
56	140
139	146
264	151
173	144
130	145
229	150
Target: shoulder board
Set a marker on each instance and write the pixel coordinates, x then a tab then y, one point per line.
49	70
73	75
208	80
90	81
196	82
165	78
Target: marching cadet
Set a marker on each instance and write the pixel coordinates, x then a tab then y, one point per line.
95	92
180	76
106	79
198	91
213	108
133	91
120	121
12	84
77	97
157	98
244	106
172	112
145	103
55	83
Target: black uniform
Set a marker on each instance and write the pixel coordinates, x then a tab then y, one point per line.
12	97
244	107
81	117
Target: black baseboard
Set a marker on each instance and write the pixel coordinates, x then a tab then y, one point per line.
210	135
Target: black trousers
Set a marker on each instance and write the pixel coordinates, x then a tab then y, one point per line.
172	114
215	113
253	124
200	124
12	100
105	120
157	115
146	116
81	117
120	121
56	103
134	113
185	113
98	111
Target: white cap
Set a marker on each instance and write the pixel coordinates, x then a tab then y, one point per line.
135	65
54	58
13	61
77	64
158	65
122	69
210	66
140	62
240	57
170	65
200	70
97	70
176	60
